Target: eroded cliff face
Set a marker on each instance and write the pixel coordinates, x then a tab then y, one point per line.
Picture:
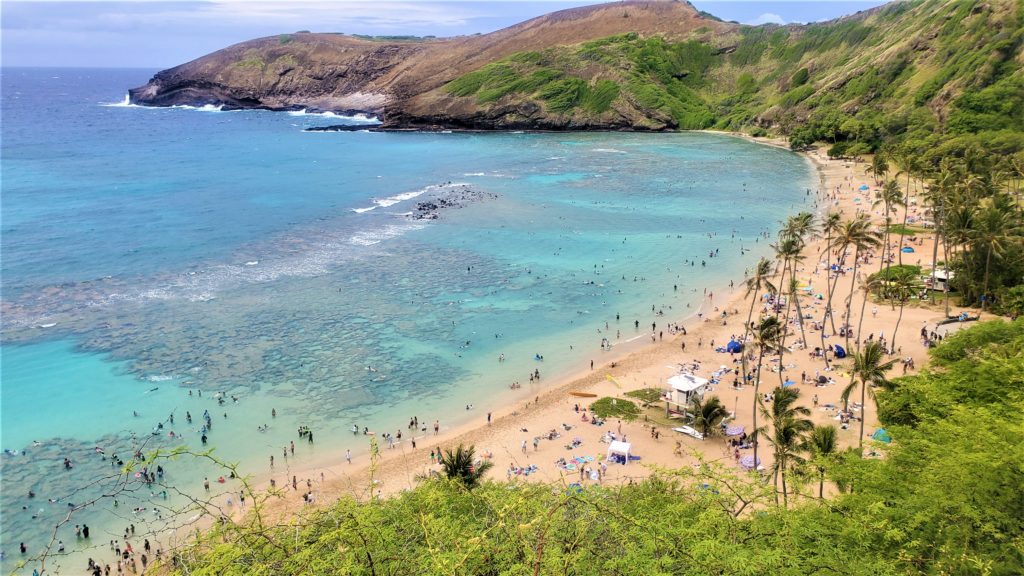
402	81
292	71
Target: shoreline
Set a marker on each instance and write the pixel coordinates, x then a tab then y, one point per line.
397	470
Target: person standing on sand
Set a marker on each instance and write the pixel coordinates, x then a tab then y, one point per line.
348	456
437	427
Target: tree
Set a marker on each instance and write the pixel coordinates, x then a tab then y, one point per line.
995	224
859	234
829	227
789	426
822	444
707	414
901	287
459	466
868	370
890	198
755	285
767	336
912	166
867	285
879	166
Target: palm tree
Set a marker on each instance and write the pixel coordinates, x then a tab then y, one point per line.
459	466
767	337
822	444
829	227
794	293
912	166
788	251
707	414
901	288
938	193
890	198
859	234
789	425
869	368
994	225
879	166
755	285
872	283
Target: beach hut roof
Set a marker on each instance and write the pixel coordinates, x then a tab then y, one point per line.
686	382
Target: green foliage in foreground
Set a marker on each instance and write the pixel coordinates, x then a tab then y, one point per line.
946	498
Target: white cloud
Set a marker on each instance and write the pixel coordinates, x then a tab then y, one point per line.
766	18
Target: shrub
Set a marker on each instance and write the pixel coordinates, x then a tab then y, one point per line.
608	407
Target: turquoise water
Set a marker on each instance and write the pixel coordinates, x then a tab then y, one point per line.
150	253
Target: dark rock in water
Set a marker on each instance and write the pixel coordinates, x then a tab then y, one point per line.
344	128
451	197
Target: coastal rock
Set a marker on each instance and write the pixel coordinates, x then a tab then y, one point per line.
450	198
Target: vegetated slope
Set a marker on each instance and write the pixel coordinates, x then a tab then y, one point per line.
924	66
346	73
861	78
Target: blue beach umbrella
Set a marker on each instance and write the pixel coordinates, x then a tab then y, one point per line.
907	250
863	186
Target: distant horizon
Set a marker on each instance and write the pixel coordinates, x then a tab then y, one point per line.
148	35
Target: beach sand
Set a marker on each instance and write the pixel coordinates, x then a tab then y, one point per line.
646	366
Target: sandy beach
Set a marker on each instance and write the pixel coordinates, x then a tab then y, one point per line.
536	434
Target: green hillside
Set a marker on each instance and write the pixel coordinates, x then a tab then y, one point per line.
905	71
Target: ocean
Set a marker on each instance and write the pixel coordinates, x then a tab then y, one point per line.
148	255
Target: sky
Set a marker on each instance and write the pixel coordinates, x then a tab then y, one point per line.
159	34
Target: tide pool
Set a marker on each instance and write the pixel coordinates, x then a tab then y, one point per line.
232	255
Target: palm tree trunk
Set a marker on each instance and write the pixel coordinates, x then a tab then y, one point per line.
821	482
906	212
775	481
935	250
863	413
782	340
785	497
945	256
830	287
800	319
746	333
849	299
988	262
892	345
757	387
860	323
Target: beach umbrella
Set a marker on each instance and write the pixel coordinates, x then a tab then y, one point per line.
907	250
882	436
734	430
788	383
748	462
